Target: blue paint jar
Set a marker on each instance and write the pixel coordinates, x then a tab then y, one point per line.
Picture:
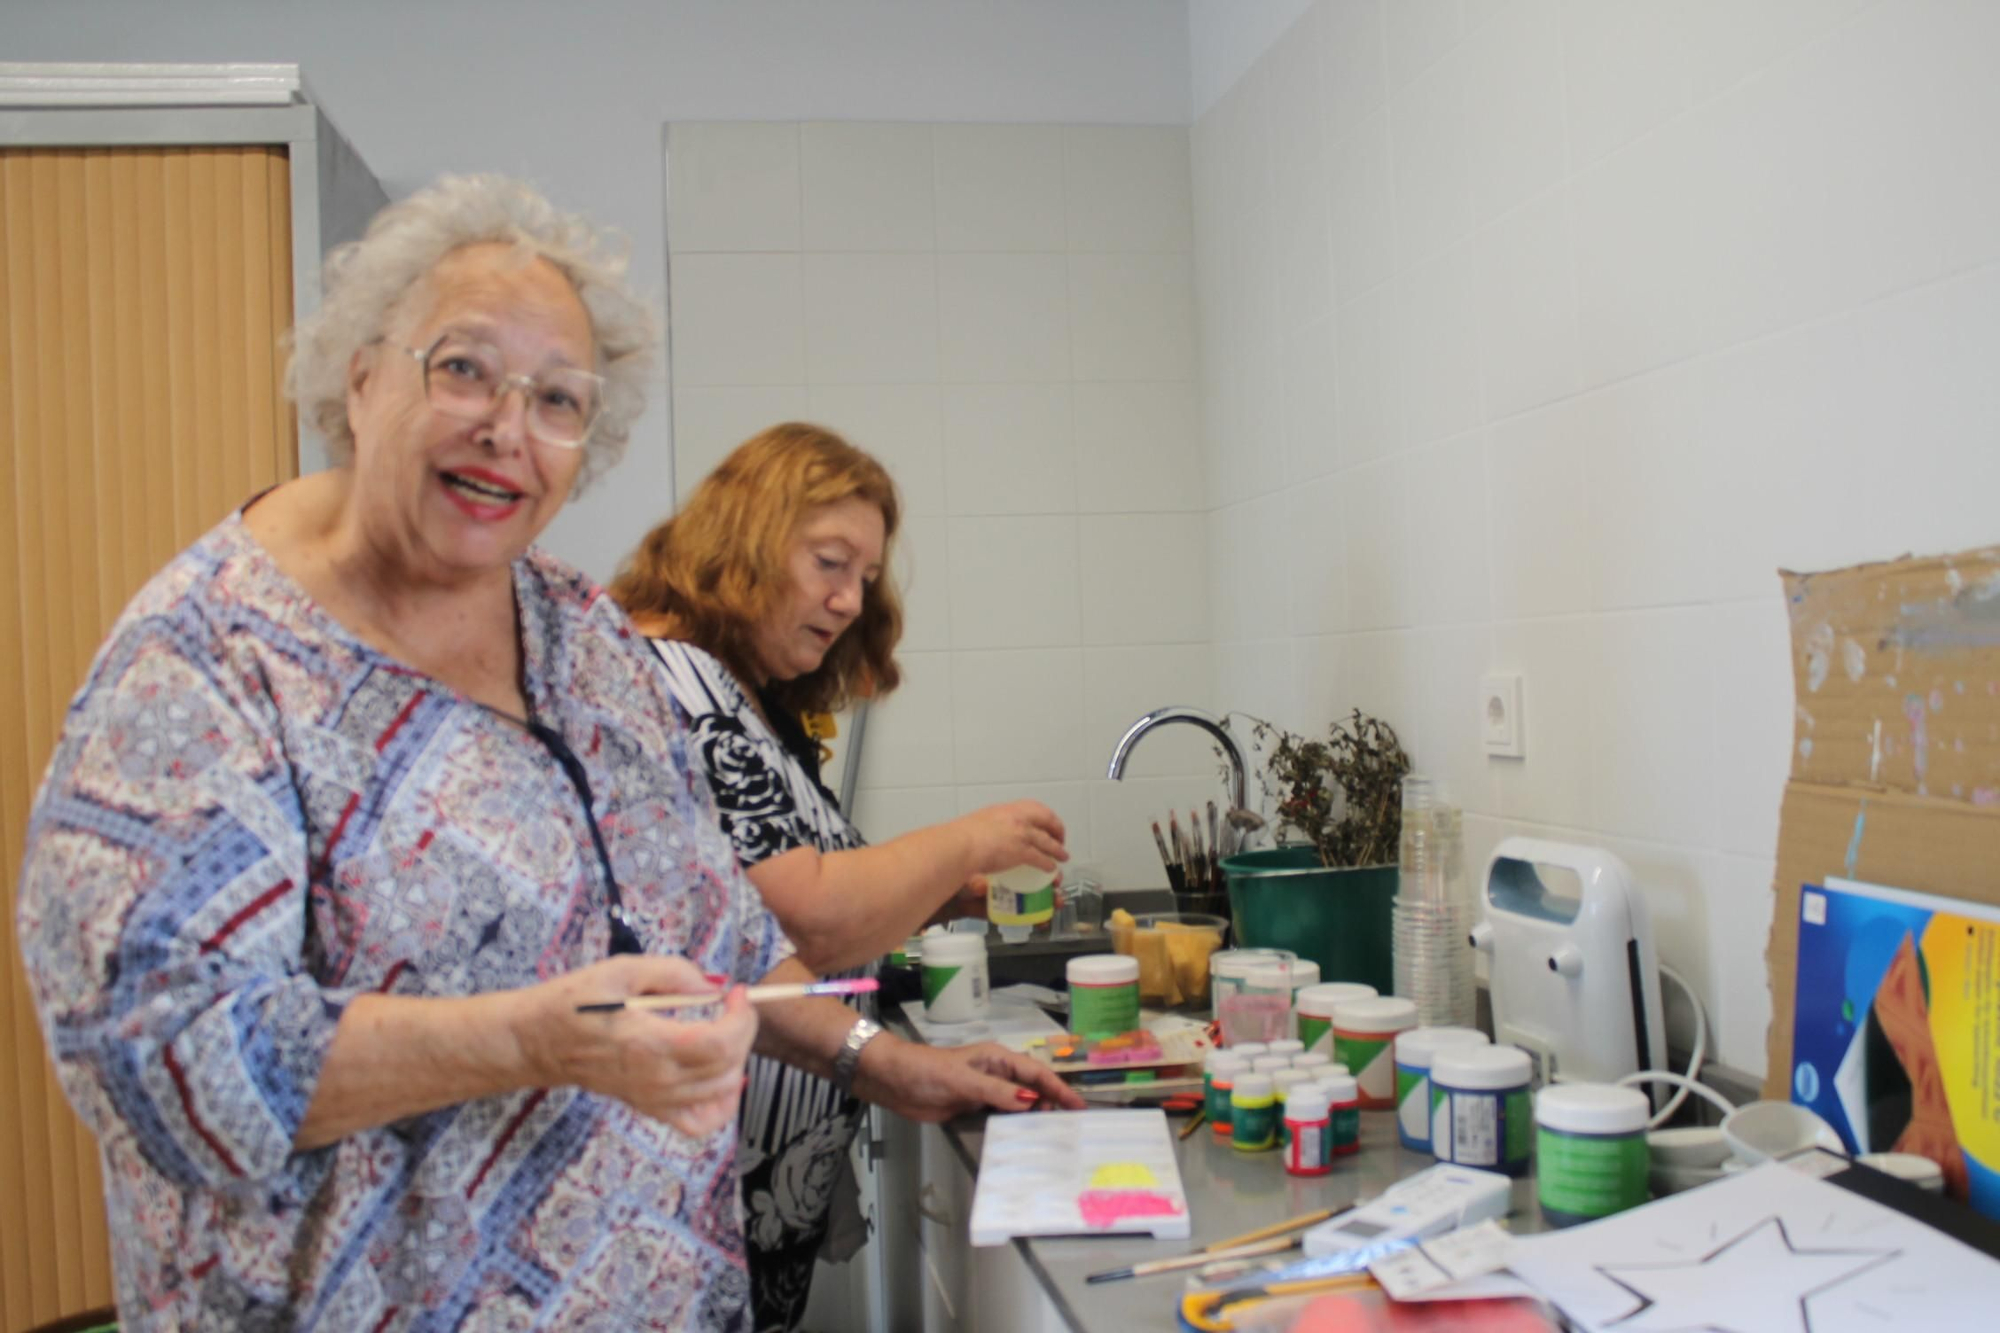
1415	1103
1483	1115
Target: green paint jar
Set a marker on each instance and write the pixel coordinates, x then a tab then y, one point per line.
1253	1113
1591	1157
1103	994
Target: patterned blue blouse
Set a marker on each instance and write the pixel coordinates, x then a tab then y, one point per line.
253	817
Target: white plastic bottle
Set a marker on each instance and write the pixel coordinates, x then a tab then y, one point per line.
1020	899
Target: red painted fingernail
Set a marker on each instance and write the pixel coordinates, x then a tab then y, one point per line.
715	978
1024	1094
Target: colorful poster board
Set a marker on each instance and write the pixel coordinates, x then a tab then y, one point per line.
1896	1027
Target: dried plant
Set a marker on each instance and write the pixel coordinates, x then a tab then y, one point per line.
1344	794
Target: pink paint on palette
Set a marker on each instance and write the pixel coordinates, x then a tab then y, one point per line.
1107	1208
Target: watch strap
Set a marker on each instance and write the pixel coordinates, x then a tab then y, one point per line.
848	1058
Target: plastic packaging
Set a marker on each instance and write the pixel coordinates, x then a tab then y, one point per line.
1364	1037
955	984
1483	1117
1259	1006
1590	1151
1103	994
1415	1103
1433	912
1227	967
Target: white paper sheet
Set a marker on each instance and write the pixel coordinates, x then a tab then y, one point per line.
1772	1250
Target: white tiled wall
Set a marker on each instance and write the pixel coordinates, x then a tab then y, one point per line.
1004	315
1603	313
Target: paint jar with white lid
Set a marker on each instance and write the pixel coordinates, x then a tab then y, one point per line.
1484	1117
955	983
1364	1039
1103	994
1315	1010
1591	1156
1415	1102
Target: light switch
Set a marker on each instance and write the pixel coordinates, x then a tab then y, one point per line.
1500	724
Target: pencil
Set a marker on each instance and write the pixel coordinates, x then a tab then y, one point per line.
757	994
1195	1121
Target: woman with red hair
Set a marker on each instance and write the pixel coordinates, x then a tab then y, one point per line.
768	596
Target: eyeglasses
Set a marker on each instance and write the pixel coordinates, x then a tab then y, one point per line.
624	939
466	378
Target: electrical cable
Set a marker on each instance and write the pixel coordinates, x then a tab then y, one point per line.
1684	1083
1695	1057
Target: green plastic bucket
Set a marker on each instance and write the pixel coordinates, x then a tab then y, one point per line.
1285	899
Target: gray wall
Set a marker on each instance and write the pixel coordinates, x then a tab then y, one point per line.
575	97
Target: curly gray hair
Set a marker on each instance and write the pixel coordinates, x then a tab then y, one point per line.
365	279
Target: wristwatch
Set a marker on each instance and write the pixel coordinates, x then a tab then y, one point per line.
848	1058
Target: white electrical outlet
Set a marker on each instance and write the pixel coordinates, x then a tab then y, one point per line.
1500	725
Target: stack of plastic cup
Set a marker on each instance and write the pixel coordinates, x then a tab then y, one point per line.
1433	914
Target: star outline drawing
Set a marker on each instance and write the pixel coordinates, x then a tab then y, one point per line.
1649	1301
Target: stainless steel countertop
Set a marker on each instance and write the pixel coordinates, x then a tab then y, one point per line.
1228	1193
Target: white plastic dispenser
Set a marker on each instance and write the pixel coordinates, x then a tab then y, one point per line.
1574	978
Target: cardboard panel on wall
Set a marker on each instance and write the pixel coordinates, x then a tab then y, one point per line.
1896	756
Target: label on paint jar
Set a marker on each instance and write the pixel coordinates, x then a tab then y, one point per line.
1317	1033
1487	1129
1254	1128
1022	896
1590	1175
954	978
1413	1107
1344	1131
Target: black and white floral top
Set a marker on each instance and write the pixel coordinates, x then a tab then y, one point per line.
795	1129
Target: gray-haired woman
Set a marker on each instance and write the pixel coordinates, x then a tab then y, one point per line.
364	798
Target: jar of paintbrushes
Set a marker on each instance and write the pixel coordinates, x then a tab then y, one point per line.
1192	856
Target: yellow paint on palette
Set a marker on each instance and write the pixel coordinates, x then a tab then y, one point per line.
1123	1176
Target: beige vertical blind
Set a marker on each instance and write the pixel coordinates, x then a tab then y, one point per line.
142	293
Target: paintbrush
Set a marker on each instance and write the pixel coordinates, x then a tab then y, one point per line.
1195	1260
1197	859
1175	879
757	995
1179	842
1298	1223
1214	845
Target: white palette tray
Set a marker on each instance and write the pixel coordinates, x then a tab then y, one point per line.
1078	1173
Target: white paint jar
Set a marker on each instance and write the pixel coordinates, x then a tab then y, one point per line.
955	982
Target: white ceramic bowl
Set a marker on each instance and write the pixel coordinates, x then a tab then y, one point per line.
1762	1131
1693	1146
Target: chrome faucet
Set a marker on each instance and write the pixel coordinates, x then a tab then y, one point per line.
1208	722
